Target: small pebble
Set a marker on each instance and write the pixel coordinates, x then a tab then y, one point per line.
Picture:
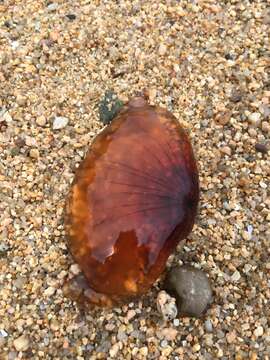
59	122
144	351
266	126
255	118
49	291
208	325
258	331
109	107
3	333
74	269
2	341
52	7
261	148
196	347
236	96
114	350
12	355
71	16
30	141
21	343
166	305
41	120
231	336
3	250
34	153
236	276
6	117
162	49
121	336
226	150
130	314
21	100
168	333
164	343
192	289
223	118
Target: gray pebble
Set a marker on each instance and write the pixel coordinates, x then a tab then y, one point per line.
208	326
236	95
121	336
220	334
104	346
164	343
192	289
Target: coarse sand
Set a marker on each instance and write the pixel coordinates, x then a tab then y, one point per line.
207	62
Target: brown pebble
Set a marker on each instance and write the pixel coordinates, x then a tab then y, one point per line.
223	118
261	148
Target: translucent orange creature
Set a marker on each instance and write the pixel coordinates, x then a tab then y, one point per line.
134	197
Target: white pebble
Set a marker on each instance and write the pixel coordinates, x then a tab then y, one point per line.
59	122
7	117
166	305
52	7
49	291
74	269
162	49
21	343
255	118
236	276
247	268
258	331
3	333
114	350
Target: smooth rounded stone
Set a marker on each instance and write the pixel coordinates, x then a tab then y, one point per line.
208	326
192	289
261	148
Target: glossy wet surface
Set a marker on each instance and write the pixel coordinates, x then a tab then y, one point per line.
134	197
